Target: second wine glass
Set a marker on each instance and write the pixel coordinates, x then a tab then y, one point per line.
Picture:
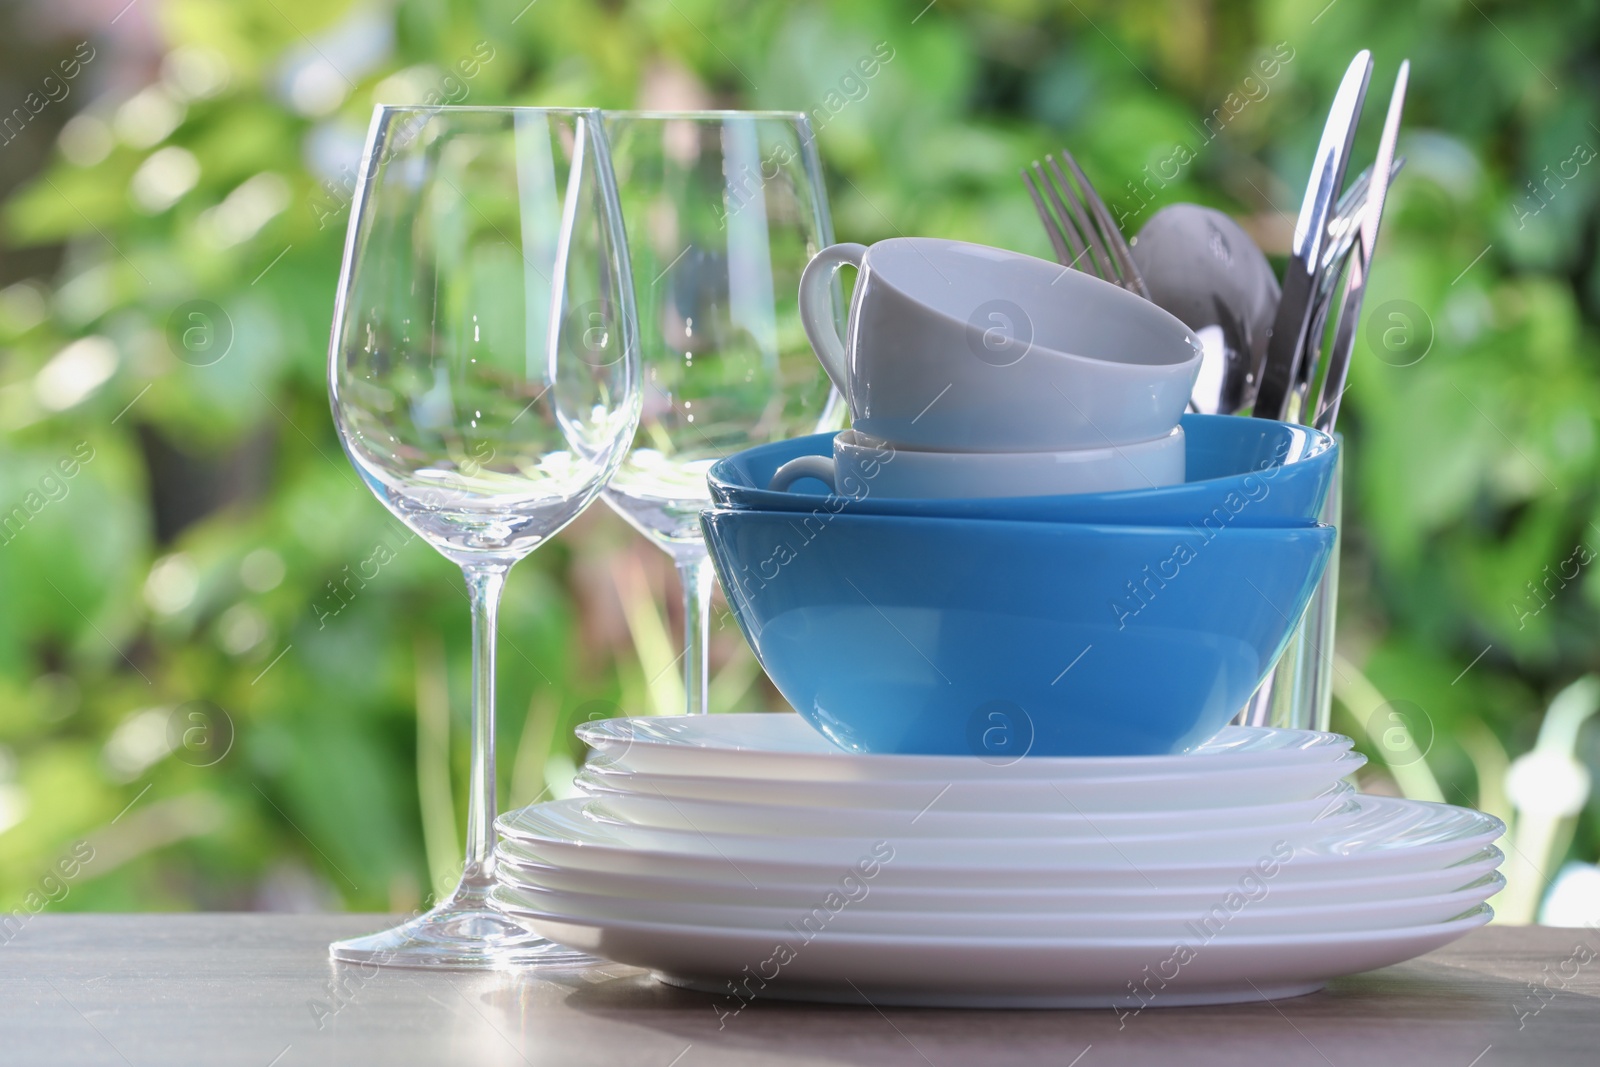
723	210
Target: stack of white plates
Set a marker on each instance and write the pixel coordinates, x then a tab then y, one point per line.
746	856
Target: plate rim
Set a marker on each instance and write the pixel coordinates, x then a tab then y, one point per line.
1351	756
1492	826
1467	920
1338	790
1491	882
1318	747
1490	855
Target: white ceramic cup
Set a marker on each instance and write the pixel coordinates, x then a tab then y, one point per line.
963	347
863	466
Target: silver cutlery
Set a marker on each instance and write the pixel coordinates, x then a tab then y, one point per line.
1346	221
1286	347
1203	268
1081	230
1309	689
1342	234
1346	226
1326	408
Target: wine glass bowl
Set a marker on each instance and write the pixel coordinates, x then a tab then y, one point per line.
463	393
484	380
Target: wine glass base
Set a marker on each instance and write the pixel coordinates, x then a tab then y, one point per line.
457	935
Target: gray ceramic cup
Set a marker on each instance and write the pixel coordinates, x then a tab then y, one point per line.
963	347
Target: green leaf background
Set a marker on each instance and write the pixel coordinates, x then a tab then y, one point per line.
194	557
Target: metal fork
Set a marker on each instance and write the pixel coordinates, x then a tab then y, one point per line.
1081	227
1343	231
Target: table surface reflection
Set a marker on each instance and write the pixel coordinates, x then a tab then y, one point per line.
259	991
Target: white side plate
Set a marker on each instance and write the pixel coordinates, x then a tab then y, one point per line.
1067	821
1067	897
1228	915
1126	974
1092	795
1390	835
1380	827
782	745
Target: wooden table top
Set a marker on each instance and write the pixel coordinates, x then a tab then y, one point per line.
259	991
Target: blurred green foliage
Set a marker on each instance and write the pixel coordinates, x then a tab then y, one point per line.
180	642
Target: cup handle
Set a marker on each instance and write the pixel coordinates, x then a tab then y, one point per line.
816	308
818	467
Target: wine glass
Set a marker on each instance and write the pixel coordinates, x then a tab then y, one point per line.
484	377
723	211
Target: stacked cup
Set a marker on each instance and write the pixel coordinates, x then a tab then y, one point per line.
1023	546
997	374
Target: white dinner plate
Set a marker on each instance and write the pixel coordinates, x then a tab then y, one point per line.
1065	822
1245	786
1389	835
1374	822
1228	915
1126	974
782	745
1133	897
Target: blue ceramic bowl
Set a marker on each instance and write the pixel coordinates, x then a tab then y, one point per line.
1241	472
1003	639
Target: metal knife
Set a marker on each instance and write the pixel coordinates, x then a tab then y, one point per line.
1286	348
1344	230
1344	337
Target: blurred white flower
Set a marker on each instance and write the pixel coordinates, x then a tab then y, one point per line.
240	629
262	570
316	89
408	86
332	152
172	584
244	211
1573	898
75	372
163	178
13	805
85	140
137	742
146	118
194	72
1547	782
316	76
22	306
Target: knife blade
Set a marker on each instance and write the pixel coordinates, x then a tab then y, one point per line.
1333	382
1286	347
1344	232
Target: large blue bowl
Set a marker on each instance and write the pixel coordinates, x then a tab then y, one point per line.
1003	639
1241	472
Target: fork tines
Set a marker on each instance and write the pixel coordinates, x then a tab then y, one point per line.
1080	228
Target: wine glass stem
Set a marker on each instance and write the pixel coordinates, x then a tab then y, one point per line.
485	581
695	572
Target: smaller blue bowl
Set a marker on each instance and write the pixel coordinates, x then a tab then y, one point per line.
1240	472
1005	639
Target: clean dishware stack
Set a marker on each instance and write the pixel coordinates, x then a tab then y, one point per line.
1015	607
746	856
962	573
